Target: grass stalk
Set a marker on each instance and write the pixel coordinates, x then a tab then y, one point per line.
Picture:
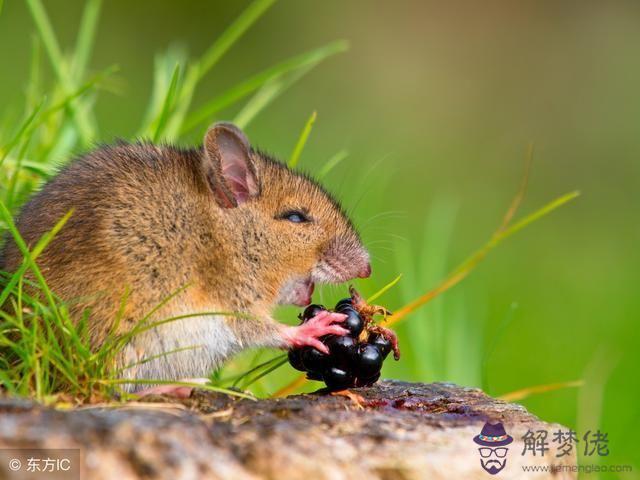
302	141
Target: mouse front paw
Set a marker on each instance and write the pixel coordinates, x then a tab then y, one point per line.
177	390
310	332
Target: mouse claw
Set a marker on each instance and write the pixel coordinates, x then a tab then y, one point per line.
174	390
310	332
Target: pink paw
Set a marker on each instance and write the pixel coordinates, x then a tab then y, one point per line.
177	391
310	331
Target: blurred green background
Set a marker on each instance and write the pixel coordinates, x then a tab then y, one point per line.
436	105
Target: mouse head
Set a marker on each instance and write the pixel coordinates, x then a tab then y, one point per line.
293	232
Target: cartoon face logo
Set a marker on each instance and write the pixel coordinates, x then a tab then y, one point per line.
493	451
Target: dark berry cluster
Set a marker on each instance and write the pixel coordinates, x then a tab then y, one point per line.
354	360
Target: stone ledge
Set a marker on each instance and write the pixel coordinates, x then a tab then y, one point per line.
403	431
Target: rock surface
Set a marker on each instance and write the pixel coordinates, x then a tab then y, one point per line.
401	431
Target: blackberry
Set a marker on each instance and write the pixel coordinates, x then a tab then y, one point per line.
314	376
313	360
342	349
311	311
367	382
295	359
345	302
353	322
369	361
350	362
338	379
383	344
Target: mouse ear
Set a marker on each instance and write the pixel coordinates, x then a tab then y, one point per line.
228	167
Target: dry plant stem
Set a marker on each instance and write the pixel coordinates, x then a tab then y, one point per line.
526	392
291	387
364	309
466	267
522	191
357	400
367	312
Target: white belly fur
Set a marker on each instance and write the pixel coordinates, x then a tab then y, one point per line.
211	338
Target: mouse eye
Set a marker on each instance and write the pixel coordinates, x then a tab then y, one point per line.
294	216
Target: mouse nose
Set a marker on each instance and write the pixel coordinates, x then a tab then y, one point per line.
366	271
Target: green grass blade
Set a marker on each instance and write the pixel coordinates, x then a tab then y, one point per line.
49	39
91	84
208	60
551	206
66	369
241	90
267	94
66	139
167	105
159	355
163	303
31	123
274	367
384	289
20	133
187	90
86	37
163	68
5	380
143	327
496	338
260	366
13	180
5	215
232	34
504	233
332	163
302	140
112	333
83	122
258	102
33	89
470	263
271	90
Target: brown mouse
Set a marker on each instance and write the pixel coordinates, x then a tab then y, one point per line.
238	229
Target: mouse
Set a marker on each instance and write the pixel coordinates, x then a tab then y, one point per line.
219	234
